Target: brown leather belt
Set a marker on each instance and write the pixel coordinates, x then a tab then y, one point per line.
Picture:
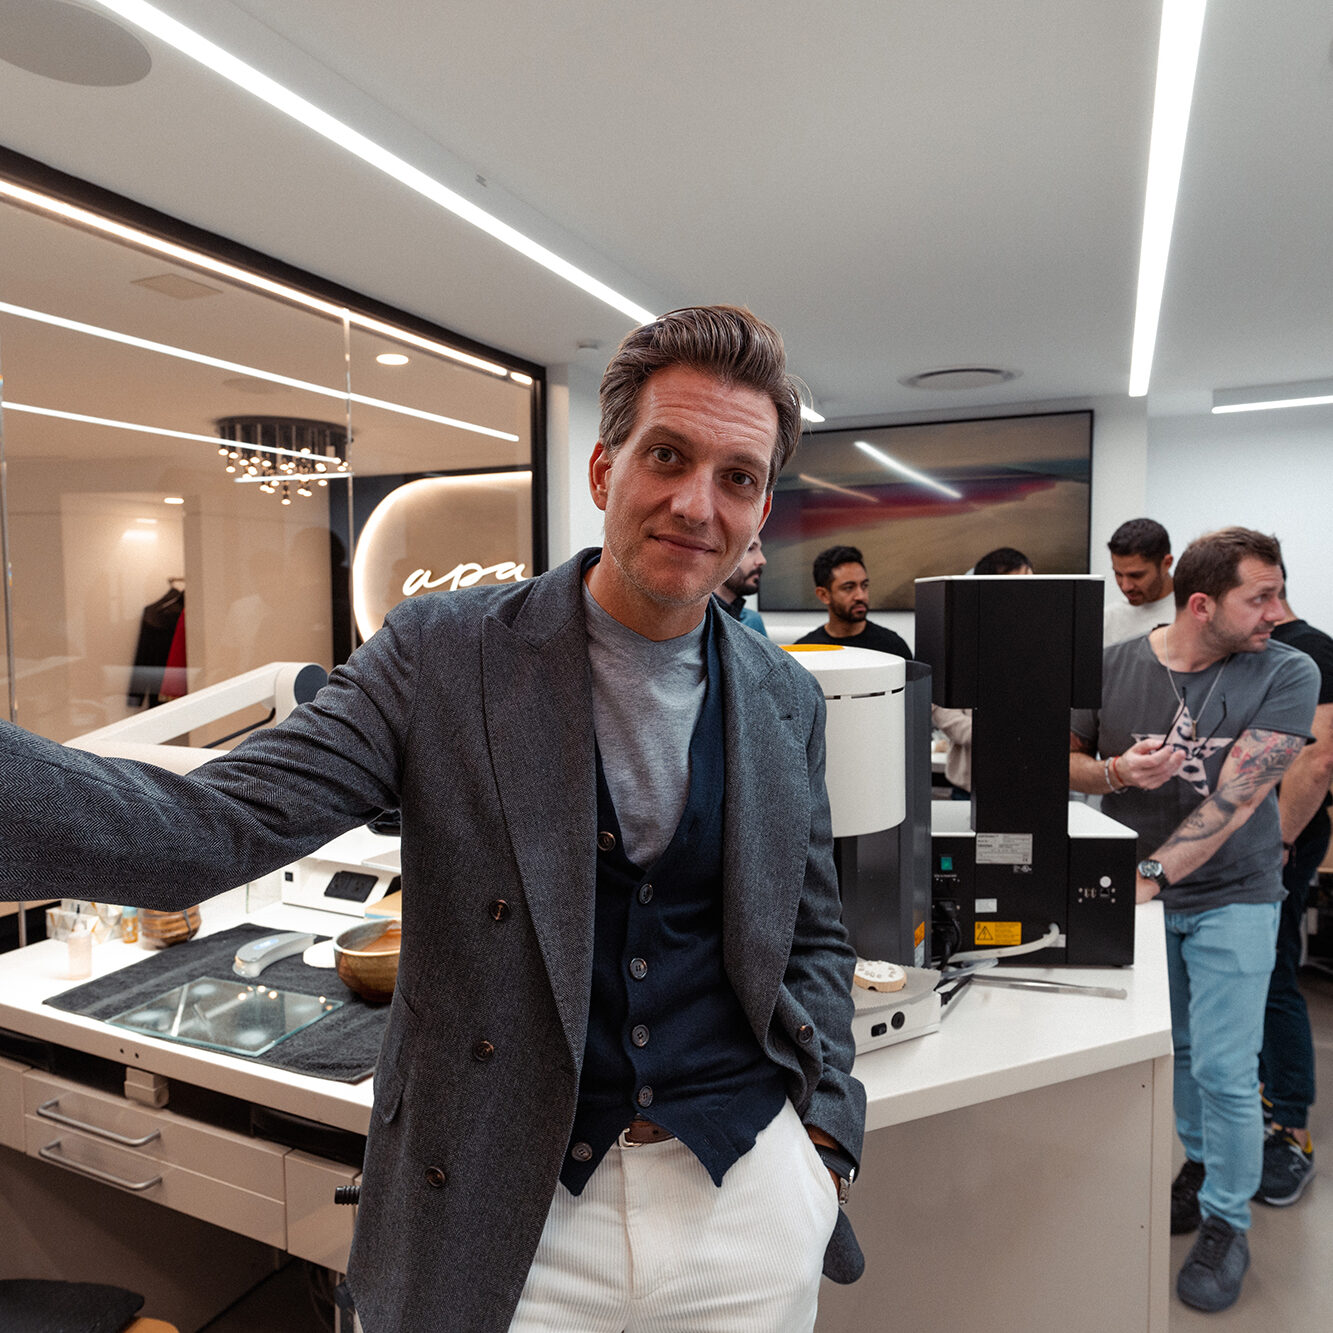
644	1131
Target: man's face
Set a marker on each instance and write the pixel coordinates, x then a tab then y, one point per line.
1243	618
684	495
745	581
848	595
1140	579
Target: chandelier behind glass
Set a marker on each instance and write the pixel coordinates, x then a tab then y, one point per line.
283	455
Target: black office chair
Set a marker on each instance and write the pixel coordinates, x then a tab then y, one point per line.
36	1305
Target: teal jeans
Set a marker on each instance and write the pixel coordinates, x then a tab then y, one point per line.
1218	965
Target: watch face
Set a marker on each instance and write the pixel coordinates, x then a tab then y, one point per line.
1150	869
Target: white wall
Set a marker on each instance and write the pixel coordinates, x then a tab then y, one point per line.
571	430
1267	470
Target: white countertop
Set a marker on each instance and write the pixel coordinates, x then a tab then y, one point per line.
29	976
992	1042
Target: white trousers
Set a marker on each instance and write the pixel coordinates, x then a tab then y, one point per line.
653	1246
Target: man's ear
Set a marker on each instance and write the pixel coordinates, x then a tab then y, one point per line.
599	469
763	518
822	594
1201	606
1167	561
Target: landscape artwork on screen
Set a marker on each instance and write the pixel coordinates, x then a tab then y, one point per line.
926	499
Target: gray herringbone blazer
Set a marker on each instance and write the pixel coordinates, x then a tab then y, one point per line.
472	712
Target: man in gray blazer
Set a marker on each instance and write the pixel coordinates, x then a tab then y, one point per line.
624	975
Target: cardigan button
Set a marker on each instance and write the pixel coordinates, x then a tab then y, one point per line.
606	841
804	1033
638	968
581	1152
435	1177
639	1035
499	909
644	1097
483	1050
645	893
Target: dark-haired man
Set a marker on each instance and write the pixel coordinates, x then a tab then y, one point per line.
1141	558
842	584
1198	722
743	583
620	1041
1287	1063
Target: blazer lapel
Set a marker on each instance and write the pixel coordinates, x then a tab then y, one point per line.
766	822
537	705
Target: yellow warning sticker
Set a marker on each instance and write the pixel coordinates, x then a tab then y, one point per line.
998	934
920	934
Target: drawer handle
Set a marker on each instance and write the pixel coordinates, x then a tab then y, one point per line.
50	1154
48	1112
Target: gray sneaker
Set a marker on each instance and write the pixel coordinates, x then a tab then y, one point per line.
1215	1267
1287	1169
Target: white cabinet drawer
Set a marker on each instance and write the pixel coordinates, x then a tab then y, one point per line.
317	1228
206	1197
11	1104
253	1165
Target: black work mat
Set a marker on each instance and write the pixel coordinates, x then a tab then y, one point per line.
342	1046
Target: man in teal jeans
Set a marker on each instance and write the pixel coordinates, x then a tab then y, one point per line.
1199	720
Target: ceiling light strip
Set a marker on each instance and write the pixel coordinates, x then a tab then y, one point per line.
250	80
141	429
1177	61
1265	397
909	472
200	358
144	240
279	478
861	496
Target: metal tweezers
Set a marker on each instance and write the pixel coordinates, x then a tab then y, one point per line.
1034	983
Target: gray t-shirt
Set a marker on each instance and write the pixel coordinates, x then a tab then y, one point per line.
1270	691
646	698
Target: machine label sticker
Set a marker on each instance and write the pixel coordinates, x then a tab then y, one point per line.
1001	933
986	907
1004	849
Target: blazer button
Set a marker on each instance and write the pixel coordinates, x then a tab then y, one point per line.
483	1050
638	969
435	1177
581	1152
644	1096
639	1035
499	909
645	893
804	1033
606	841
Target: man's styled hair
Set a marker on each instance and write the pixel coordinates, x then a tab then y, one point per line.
722	340
1002	560
1211	563
829	559
1141	536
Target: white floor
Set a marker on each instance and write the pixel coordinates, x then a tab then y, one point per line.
1289	1288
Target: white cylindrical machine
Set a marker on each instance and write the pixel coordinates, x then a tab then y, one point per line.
864	692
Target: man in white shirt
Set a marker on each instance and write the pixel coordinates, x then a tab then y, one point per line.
1141	558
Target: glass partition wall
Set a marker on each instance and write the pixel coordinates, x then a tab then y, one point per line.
192	454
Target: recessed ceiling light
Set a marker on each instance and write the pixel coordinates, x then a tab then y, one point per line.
72	44
173	500
520	378
960	377
392	359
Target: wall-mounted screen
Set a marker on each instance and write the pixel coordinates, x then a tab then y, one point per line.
927	499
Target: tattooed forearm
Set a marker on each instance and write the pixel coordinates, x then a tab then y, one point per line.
1256	762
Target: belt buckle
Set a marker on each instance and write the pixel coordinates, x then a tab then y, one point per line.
625	1141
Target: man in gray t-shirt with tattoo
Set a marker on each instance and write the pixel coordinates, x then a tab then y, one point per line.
1199	720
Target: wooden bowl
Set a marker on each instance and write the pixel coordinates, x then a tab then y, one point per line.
158	929
367	958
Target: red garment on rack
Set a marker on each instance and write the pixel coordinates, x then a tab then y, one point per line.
173	677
